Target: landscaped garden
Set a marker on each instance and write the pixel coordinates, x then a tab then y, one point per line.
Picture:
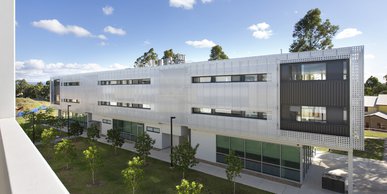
373	146
158	177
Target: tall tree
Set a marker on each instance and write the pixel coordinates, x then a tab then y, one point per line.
234	167
93	159
133	174
168	54
186	187
66	150
311	33
143	60
144	144
183	156
114	137
217	53
76	128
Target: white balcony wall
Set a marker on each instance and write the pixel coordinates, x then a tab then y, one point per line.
22	168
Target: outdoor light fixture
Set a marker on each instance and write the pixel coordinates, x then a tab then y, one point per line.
172	139
68	120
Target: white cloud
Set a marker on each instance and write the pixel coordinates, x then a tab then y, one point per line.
37	70
261	30
55	26
206	1
115	31
295	12
348	33
185	4
146	42
102	37
369	56
200	43
108	10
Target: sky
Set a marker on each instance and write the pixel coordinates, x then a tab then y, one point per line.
74	36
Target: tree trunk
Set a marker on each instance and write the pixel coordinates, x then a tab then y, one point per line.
92	176
183	174
67	165
234	187
115	150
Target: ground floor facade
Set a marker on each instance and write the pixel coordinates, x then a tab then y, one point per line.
286	163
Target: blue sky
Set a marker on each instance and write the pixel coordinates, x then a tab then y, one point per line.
72	36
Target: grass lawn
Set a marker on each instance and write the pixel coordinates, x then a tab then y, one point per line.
158	177
375	134
373	149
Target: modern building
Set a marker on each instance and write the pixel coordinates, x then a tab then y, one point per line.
375	109
271	110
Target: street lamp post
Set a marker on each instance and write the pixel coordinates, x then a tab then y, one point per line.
68	120
172	139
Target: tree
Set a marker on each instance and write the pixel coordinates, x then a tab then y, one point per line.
385	78
189	188
48	136
66	150
133	174
21	86
143	60
59	122
311	33
143	146
183	156
114	136
234	167
92	157
217	53
76	129
372	87
93	132
168	54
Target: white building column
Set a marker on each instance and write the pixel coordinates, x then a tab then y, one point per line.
350	171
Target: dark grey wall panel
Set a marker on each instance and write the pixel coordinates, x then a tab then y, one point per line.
315	93
321	128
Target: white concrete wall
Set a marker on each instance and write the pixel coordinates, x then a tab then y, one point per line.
207	145
7	59
158	139
104	127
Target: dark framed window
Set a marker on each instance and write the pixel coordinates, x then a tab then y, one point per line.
230	113
230	78
153	129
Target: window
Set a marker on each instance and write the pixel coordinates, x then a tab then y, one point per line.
125	104
345	70
125	82
70	83
70	100
153	129
315	71
251	78
106	121
223	78
231	78
365	109
268	158
230	113
313	114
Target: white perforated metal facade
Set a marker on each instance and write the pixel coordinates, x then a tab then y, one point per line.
172	93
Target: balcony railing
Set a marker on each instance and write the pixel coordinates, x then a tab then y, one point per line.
22	168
